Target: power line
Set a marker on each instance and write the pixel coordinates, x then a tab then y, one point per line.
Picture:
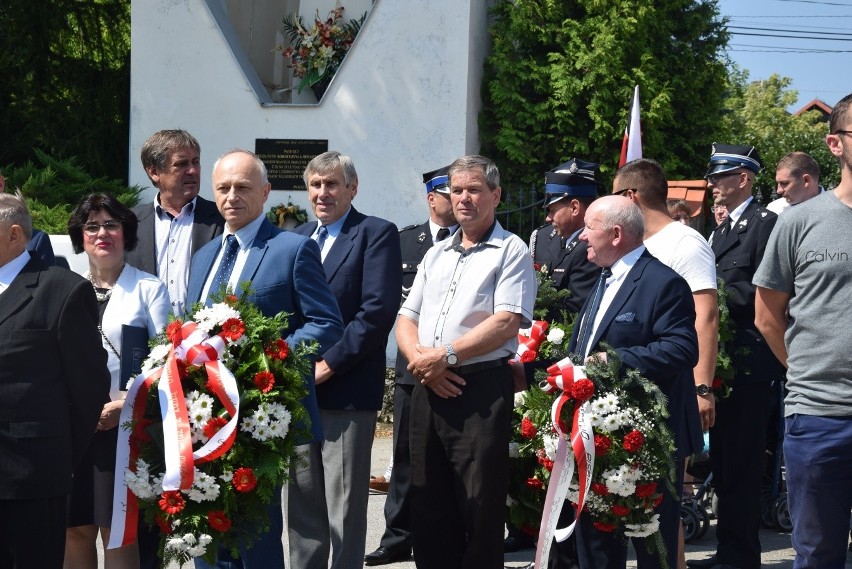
807	29
790	37
844	34
844	4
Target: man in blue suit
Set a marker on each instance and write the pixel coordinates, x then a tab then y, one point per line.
286	275
646	313
327	495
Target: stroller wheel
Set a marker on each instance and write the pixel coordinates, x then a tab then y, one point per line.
691	523
782	513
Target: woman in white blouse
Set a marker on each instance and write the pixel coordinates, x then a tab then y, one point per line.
105	228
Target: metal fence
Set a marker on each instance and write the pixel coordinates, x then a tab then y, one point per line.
520	210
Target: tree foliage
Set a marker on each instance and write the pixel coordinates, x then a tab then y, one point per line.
53	189
757	115
66	82
560	77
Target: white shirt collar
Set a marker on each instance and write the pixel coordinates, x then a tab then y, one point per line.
10	270
735	215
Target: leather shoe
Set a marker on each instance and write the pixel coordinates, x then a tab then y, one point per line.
383	556
708	563
515	543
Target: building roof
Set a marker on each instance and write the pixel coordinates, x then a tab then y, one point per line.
692	191
816	105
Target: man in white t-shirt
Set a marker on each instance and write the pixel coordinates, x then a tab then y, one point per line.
684	250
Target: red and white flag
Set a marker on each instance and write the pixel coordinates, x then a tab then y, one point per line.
631	146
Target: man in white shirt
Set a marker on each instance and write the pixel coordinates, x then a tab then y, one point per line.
684	250
796	179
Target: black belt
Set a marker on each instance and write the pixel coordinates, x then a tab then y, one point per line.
479	366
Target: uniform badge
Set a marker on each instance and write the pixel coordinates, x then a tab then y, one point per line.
743	223
553	233
763	214
422	237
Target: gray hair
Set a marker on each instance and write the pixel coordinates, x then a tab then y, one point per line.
13	210
328	161
626	214
264	174
477	162
156	150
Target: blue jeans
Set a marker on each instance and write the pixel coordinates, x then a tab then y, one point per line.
818	458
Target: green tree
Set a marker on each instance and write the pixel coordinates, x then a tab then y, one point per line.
757	115
560	78
66	82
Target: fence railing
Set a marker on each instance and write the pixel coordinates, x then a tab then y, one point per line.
520	210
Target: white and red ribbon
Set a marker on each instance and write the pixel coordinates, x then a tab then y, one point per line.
532	342
561	376
194	347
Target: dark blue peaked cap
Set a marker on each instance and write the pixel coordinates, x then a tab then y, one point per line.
437	180
727	157
573	179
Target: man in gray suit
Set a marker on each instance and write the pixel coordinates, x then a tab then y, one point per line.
178	222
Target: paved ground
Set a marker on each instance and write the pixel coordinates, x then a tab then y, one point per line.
777	552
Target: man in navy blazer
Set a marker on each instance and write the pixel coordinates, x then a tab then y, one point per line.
648	316
327	495
286	275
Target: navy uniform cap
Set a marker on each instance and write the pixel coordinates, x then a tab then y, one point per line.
573	179
727	157
437	180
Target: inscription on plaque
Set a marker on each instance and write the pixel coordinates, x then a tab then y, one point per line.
286	159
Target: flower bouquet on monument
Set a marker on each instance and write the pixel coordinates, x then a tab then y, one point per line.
209	429
614	453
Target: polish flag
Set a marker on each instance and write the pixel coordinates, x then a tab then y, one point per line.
631	146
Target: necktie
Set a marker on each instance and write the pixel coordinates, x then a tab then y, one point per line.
226	266
721	236
321	235
443	233
588	322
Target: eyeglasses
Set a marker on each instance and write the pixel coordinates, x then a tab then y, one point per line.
93	229
715	178
624	191
842	132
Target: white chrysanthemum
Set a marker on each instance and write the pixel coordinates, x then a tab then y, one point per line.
204	539
551	443
556	335
204	487
609	423
196	551
200	410
269	420
175	544
643	530
226	476
216	315
520	398
189	539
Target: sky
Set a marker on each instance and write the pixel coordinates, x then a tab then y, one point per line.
807	40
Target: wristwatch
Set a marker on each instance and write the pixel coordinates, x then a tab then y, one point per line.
451	357
702	389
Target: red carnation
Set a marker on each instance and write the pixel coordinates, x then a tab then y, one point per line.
172	502
619	510
717	383
278	350
244	480
658	500
528	430
173	332
603	526
231	299
218	520
233	329
546	463
602	444
213	426
600	489
165	527
537	266
528	356
264	381
582	390
535	483
633	441
646	490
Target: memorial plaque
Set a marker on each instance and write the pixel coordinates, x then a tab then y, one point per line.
286	159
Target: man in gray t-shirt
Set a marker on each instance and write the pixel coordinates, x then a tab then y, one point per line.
804	310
